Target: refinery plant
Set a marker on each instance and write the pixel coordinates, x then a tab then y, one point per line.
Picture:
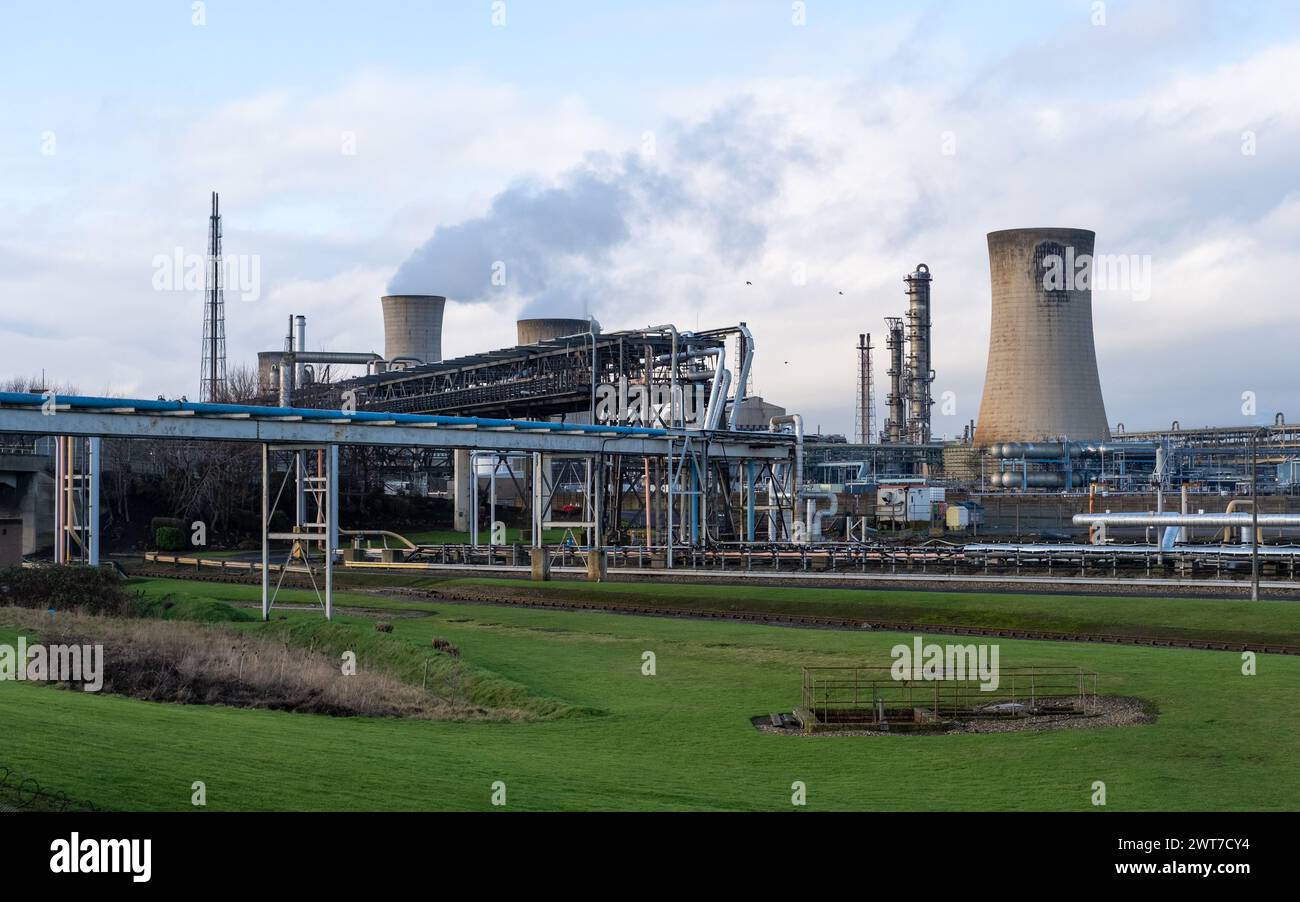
1039	479
648	407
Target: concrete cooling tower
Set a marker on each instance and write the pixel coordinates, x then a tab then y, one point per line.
413	327
531	331
1041	381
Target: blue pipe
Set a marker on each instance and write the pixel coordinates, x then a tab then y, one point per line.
308	413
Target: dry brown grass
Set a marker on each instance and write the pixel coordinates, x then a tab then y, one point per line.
188	663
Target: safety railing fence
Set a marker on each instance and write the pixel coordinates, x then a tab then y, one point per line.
874	694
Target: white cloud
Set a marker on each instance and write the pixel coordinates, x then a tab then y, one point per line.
846	178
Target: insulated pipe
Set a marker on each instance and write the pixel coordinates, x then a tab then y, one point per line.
746	360
300	371
1245	533
815	516
721	382
591	331
672	330
1216	521
286	385
795	420
299	357
287	368
1058	450
60	500
141	405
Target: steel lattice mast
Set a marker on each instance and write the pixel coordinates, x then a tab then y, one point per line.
866	419
212	375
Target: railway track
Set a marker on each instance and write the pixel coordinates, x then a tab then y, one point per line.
512	599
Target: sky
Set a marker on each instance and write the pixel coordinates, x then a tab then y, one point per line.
781	163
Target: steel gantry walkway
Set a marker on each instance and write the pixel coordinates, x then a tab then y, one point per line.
695	471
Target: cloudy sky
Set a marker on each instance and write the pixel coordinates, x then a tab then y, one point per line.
642	162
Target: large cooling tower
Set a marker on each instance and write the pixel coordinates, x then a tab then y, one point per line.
1042	380
531	331
413	326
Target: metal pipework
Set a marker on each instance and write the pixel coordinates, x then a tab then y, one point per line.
721	379
1035	480
292	364
300	371
357	359
796	420
1059	450
746	360
814	516
287	380
671	330
1216	521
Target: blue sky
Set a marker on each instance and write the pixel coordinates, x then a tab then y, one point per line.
774	148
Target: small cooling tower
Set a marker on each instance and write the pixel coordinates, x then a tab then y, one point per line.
532	331
413	326
1042	378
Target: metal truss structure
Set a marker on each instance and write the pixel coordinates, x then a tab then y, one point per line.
77	466
314	539
551	378
699	488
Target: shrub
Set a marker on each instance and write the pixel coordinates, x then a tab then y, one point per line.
205	610
442	645
383	627
88	589
158	523
169	538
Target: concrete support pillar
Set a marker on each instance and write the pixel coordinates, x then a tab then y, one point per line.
266	529
462	491
331	525
541	562
597	566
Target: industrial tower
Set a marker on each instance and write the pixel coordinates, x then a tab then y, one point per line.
866	421
919	374
896	422
1041	382
212	375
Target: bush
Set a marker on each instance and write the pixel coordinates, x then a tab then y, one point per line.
442	645
204	610
158	523
169	538
87	589
383	627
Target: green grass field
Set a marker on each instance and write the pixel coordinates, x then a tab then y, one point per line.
682	739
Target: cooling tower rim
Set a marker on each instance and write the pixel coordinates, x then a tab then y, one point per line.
413	297
555	319
1041	230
